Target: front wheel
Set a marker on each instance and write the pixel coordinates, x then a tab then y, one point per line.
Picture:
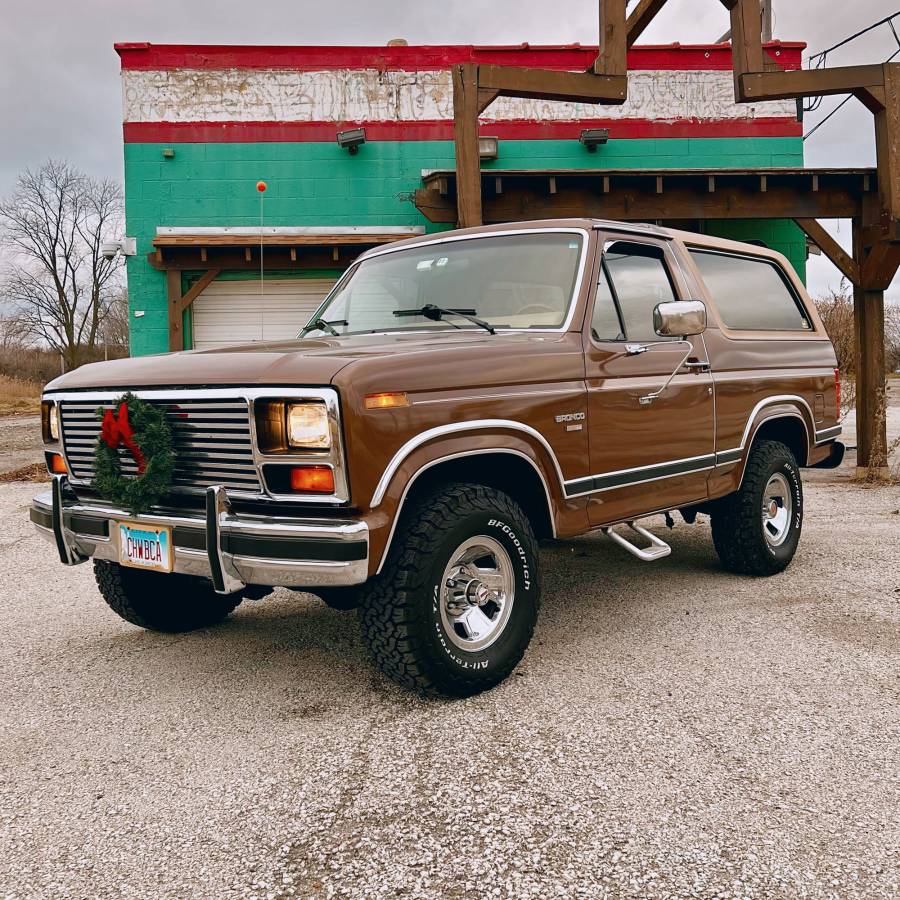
455	607
757	528
172	603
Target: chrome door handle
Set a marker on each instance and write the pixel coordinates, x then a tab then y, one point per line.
701	365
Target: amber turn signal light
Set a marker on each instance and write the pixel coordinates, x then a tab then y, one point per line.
56	464
387	400
312	480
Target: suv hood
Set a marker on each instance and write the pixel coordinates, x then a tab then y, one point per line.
311	361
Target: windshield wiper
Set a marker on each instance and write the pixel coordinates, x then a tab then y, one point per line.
324	325
430	311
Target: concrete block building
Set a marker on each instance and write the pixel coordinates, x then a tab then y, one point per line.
204	124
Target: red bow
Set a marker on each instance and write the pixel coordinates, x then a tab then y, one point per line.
115	431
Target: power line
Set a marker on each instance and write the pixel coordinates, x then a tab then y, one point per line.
847	99
853	37
823	56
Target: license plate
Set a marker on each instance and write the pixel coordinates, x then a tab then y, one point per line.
145	546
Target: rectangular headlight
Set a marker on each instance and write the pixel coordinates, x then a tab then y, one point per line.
49	421
308	426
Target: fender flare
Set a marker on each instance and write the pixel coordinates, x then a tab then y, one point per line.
440	431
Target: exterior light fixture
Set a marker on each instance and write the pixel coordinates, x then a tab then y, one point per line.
352	139
592	138
488	147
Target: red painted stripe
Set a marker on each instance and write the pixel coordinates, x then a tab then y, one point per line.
295	132
574	56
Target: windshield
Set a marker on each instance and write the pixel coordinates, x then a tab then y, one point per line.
513	281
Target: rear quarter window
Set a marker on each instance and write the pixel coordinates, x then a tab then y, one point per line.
751	294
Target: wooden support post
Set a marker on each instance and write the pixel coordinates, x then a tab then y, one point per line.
746	42
868	321
887	145
173	287
871	425
465	132
613	39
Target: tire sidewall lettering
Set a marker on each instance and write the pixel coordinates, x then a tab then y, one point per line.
788	469
525	583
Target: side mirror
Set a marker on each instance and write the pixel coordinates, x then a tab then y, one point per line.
680	319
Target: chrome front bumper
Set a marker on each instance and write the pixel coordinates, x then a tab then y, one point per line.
231	550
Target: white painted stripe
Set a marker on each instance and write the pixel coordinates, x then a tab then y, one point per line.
291	230
370	95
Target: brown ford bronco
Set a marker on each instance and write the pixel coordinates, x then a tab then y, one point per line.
454	400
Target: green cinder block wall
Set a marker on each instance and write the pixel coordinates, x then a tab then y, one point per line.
318	183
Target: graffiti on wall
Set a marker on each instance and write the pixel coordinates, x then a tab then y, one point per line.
269	95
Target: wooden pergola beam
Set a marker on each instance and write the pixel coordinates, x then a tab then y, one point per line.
756	85
197	288
640	17
880	266
831	248
633	195
551	84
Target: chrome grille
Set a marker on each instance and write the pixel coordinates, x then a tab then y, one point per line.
211	438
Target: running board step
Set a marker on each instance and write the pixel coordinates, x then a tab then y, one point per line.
657	549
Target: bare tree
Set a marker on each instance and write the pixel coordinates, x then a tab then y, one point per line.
113	332
836	312
58	281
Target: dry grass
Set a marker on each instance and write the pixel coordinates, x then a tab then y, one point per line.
19	397
34	472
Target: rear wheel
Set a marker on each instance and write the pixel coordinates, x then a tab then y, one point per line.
756	529
160	602
455	607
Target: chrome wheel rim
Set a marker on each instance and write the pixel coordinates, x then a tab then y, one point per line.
777	509
477	593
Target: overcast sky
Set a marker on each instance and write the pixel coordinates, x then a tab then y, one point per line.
59	75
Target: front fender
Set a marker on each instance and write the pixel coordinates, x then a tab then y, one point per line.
457	441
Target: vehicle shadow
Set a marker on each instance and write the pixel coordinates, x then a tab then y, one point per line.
292	645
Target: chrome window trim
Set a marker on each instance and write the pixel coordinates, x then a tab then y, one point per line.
450	238
334	458
461	455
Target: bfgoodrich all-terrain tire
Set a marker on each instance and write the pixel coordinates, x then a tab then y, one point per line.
162	602
455	606
756	529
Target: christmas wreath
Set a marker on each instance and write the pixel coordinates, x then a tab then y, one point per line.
141	428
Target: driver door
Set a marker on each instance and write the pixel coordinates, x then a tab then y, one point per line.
645	457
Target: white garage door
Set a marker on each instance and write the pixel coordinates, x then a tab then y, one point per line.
234	312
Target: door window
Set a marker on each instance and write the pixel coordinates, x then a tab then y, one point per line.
639	280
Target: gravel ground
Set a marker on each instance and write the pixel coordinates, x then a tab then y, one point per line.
673	731
20	442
